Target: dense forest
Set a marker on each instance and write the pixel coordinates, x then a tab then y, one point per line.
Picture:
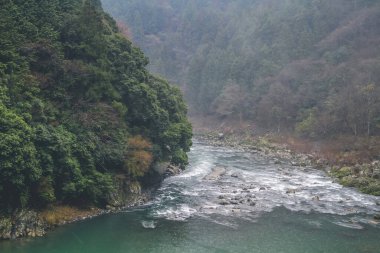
78	106
304	66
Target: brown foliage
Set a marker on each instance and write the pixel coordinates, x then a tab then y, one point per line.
138	142
139	157
124	29
342	150
61	214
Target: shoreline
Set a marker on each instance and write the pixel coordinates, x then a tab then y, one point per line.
365	177
31	223
37	223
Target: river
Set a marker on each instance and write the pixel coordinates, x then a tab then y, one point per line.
258	206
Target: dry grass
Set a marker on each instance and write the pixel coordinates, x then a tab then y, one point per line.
295	144
342	150
62	214
138	142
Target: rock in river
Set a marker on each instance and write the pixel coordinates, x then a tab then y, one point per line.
236	175
224	202
216	173
291	191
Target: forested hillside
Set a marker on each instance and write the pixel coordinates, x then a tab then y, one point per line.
77	106
310	67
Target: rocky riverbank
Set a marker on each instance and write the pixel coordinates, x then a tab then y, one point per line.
31	223
261	145
365	176
126	194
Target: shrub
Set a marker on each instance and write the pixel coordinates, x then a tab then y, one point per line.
139	156
45	191
19	167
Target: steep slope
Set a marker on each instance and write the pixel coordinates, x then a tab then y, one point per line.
294	65
77	106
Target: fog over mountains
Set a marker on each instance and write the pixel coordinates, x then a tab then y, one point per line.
295	65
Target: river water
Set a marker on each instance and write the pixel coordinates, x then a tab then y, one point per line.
258	206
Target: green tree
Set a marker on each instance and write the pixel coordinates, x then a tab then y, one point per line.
73	89
19	167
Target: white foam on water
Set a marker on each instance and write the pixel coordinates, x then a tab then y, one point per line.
199	169
316	224
297	189
149	224
178	213
222	222
349	225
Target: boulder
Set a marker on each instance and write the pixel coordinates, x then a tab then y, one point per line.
161	167
234	202
376	173
5	228
293	163
216	173
111	208
172	170
23	223
236	175
224	202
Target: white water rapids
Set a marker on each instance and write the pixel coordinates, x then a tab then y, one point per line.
264	208
259	185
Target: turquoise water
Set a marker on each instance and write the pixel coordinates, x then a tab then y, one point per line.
186	215
278	231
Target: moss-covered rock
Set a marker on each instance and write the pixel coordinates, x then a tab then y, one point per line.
364	184
342	172
21	224
5	228
372	188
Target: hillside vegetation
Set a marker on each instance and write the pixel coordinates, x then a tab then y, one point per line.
77	106
299	66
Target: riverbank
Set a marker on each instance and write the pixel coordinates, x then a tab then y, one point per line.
361	174
36	223
247	204
126	194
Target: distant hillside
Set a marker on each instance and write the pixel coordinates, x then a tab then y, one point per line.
312	67
78	107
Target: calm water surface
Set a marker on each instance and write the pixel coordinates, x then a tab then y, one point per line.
187	215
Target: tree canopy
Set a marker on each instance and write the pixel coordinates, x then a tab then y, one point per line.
74	94
302	65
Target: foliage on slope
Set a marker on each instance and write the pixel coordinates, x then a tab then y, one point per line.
293	65
74	93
